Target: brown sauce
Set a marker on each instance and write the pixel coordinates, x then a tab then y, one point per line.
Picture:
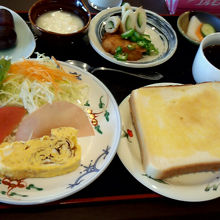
212	53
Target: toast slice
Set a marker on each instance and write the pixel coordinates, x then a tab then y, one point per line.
48	156
177	128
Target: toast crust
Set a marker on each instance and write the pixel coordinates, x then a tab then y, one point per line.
190	168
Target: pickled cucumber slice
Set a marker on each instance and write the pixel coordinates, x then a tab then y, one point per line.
207	29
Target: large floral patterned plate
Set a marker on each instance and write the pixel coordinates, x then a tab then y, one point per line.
190	187
97	151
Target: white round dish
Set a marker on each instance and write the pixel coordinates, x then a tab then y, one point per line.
190	187
97	152
162	35
25	39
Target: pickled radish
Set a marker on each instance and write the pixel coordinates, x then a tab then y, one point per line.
194	25
198	32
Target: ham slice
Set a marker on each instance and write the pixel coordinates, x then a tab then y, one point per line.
10	117
58	114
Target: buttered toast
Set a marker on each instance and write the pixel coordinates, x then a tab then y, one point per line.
177	128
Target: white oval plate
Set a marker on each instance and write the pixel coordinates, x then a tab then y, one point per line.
162	34
97	152
25	39
190	187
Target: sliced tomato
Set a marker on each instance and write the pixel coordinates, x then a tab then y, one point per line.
10	117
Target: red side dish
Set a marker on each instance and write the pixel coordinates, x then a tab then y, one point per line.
10	117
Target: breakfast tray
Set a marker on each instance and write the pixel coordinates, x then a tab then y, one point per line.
116	183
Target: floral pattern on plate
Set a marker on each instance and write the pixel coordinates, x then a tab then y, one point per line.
97	151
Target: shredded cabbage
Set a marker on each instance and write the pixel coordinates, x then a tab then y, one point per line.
31	95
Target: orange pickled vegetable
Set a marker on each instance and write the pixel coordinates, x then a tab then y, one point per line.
198	33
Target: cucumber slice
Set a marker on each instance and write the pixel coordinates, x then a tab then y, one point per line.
139	20
207	29
128	23
110	25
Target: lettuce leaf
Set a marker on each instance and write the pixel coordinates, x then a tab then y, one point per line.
4	67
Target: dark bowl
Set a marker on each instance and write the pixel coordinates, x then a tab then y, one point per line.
76	7
183	22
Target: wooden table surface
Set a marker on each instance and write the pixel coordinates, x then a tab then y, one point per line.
116	194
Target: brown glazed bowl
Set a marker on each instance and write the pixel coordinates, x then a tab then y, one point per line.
76	7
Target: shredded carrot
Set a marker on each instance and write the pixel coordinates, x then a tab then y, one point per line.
54	59
198	32
40	72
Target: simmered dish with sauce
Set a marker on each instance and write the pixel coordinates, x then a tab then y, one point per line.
128	38
62	22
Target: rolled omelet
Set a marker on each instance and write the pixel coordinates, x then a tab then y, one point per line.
48	156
